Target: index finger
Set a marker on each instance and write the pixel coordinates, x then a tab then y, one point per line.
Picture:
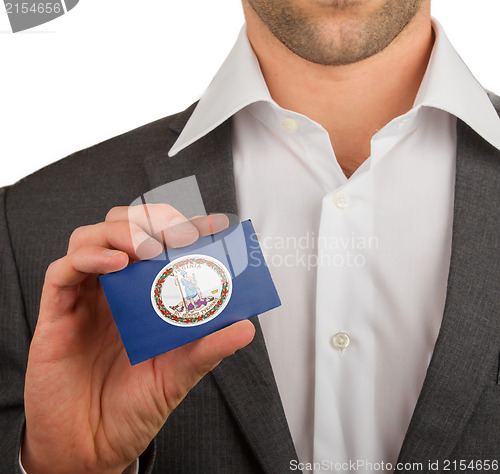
162	221
167	224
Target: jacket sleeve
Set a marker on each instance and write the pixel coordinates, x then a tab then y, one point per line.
15	339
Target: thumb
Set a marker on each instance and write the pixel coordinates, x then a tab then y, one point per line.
182	368
207	352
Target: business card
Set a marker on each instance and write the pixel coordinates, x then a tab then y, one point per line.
190	292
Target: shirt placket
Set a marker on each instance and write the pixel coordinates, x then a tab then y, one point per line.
343	311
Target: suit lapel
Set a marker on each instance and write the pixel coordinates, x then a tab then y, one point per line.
466	347
246	379
209	159
248	385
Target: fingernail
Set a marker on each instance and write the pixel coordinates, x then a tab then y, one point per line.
111	253
182	226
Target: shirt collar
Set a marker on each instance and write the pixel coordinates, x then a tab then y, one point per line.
447	85
238	83
450	86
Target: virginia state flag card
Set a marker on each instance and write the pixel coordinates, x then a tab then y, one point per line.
187	293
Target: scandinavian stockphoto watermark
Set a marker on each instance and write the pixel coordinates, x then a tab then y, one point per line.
311	250
24	15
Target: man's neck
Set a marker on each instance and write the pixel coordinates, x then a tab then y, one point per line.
351	102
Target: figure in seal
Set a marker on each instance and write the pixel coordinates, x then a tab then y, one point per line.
191	291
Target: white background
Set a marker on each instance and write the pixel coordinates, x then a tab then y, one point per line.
109	66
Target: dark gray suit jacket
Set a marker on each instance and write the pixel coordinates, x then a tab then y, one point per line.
233	420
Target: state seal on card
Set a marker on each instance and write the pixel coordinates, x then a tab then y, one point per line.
191	290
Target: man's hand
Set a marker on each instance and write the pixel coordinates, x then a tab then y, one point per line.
87	408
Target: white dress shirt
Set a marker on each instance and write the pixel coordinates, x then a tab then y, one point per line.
360	264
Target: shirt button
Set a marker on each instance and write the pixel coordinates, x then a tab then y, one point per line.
289	125
340	341
341	200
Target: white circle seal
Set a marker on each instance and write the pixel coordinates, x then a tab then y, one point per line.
191	290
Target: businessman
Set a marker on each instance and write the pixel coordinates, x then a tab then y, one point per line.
351	125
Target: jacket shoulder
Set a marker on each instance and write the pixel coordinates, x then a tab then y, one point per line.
98	161
104	175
